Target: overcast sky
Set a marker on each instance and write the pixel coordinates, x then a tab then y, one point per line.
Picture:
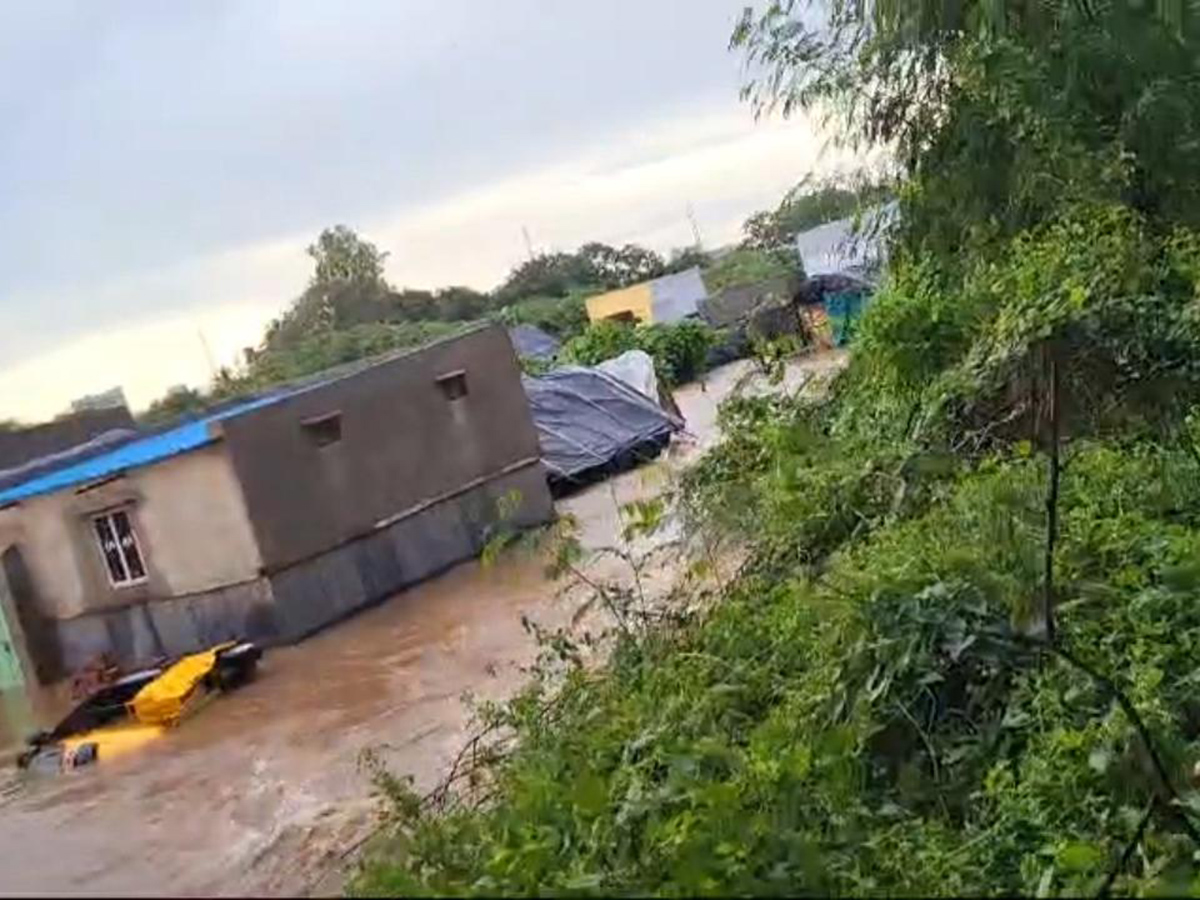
164	164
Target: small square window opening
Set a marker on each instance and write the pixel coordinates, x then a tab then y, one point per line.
119	547
453	384
324	430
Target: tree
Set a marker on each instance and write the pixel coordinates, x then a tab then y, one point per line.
808	204
545	275
458	303
176	403
615	268
593	267
683	258
999	111
340	255
347	287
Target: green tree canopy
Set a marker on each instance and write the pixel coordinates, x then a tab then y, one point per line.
999	111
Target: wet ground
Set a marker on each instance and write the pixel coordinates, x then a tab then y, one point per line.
262	792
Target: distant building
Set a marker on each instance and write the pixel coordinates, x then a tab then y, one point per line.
110	399
837	248
269	518
666	299
22	445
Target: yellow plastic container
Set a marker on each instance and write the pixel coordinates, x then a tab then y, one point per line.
164	701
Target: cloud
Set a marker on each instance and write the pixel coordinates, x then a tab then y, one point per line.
634	189
169	163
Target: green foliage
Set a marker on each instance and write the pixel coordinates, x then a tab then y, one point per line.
340	255
593	267
1096	286
749	266
807	205
600	341
678	349
686	258
175	404
875	728
1000	111
320	352
869	708
563	317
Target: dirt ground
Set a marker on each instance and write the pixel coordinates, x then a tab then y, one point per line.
262	791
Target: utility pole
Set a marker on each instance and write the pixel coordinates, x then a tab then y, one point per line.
212	366
528	242
691	214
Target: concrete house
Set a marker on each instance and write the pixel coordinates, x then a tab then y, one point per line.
268	519
666	299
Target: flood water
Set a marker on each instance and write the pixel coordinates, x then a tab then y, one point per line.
261	792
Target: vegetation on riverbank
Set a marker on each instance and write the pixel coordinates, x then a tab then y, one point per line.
959	656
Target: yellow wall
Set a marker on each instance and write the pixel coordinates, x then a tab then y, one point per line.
637	300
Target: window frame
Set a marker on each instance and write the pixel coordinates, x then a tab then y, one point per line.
109	518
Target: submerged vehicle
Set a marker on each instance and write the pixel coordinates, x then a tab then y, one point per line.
140	707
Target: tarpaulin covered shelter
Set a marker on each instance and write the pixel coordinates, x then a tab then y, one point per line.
589	421
533	343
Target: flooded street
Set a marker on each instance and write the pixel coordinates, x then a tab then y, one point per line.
261	792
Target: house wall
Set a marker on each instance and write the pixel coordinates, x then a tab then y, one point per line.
195	536
320	590
412	486
637	301
266	534
402	444
677	296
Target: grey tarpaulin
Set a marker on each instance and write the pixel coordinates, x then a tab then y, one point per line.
588	420
533	342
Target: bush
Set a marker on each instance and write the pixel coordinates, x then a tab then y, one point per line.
745	266
876	728
563	317
679	350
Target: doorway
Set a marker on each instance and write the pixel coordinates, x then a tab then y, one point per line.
40	635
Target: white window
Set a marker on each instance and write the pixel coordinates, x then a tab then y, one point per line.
119	546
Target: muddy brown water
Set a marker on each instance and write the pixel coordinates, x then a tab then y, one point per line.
261	792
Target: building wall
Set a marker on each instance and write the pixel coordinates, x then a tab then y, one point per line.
190	521
637	301
195	538
677	296
330	586
197	531
269	534
402	444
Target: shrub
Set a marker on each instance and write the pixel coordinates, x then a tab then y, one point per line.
679	349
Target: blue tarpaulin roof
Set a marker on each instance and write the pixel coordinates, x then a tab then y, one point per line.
139	452
533	342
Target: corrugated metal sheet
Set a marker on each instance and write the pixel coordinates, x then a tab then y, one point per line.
142	452
834	248
677	296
